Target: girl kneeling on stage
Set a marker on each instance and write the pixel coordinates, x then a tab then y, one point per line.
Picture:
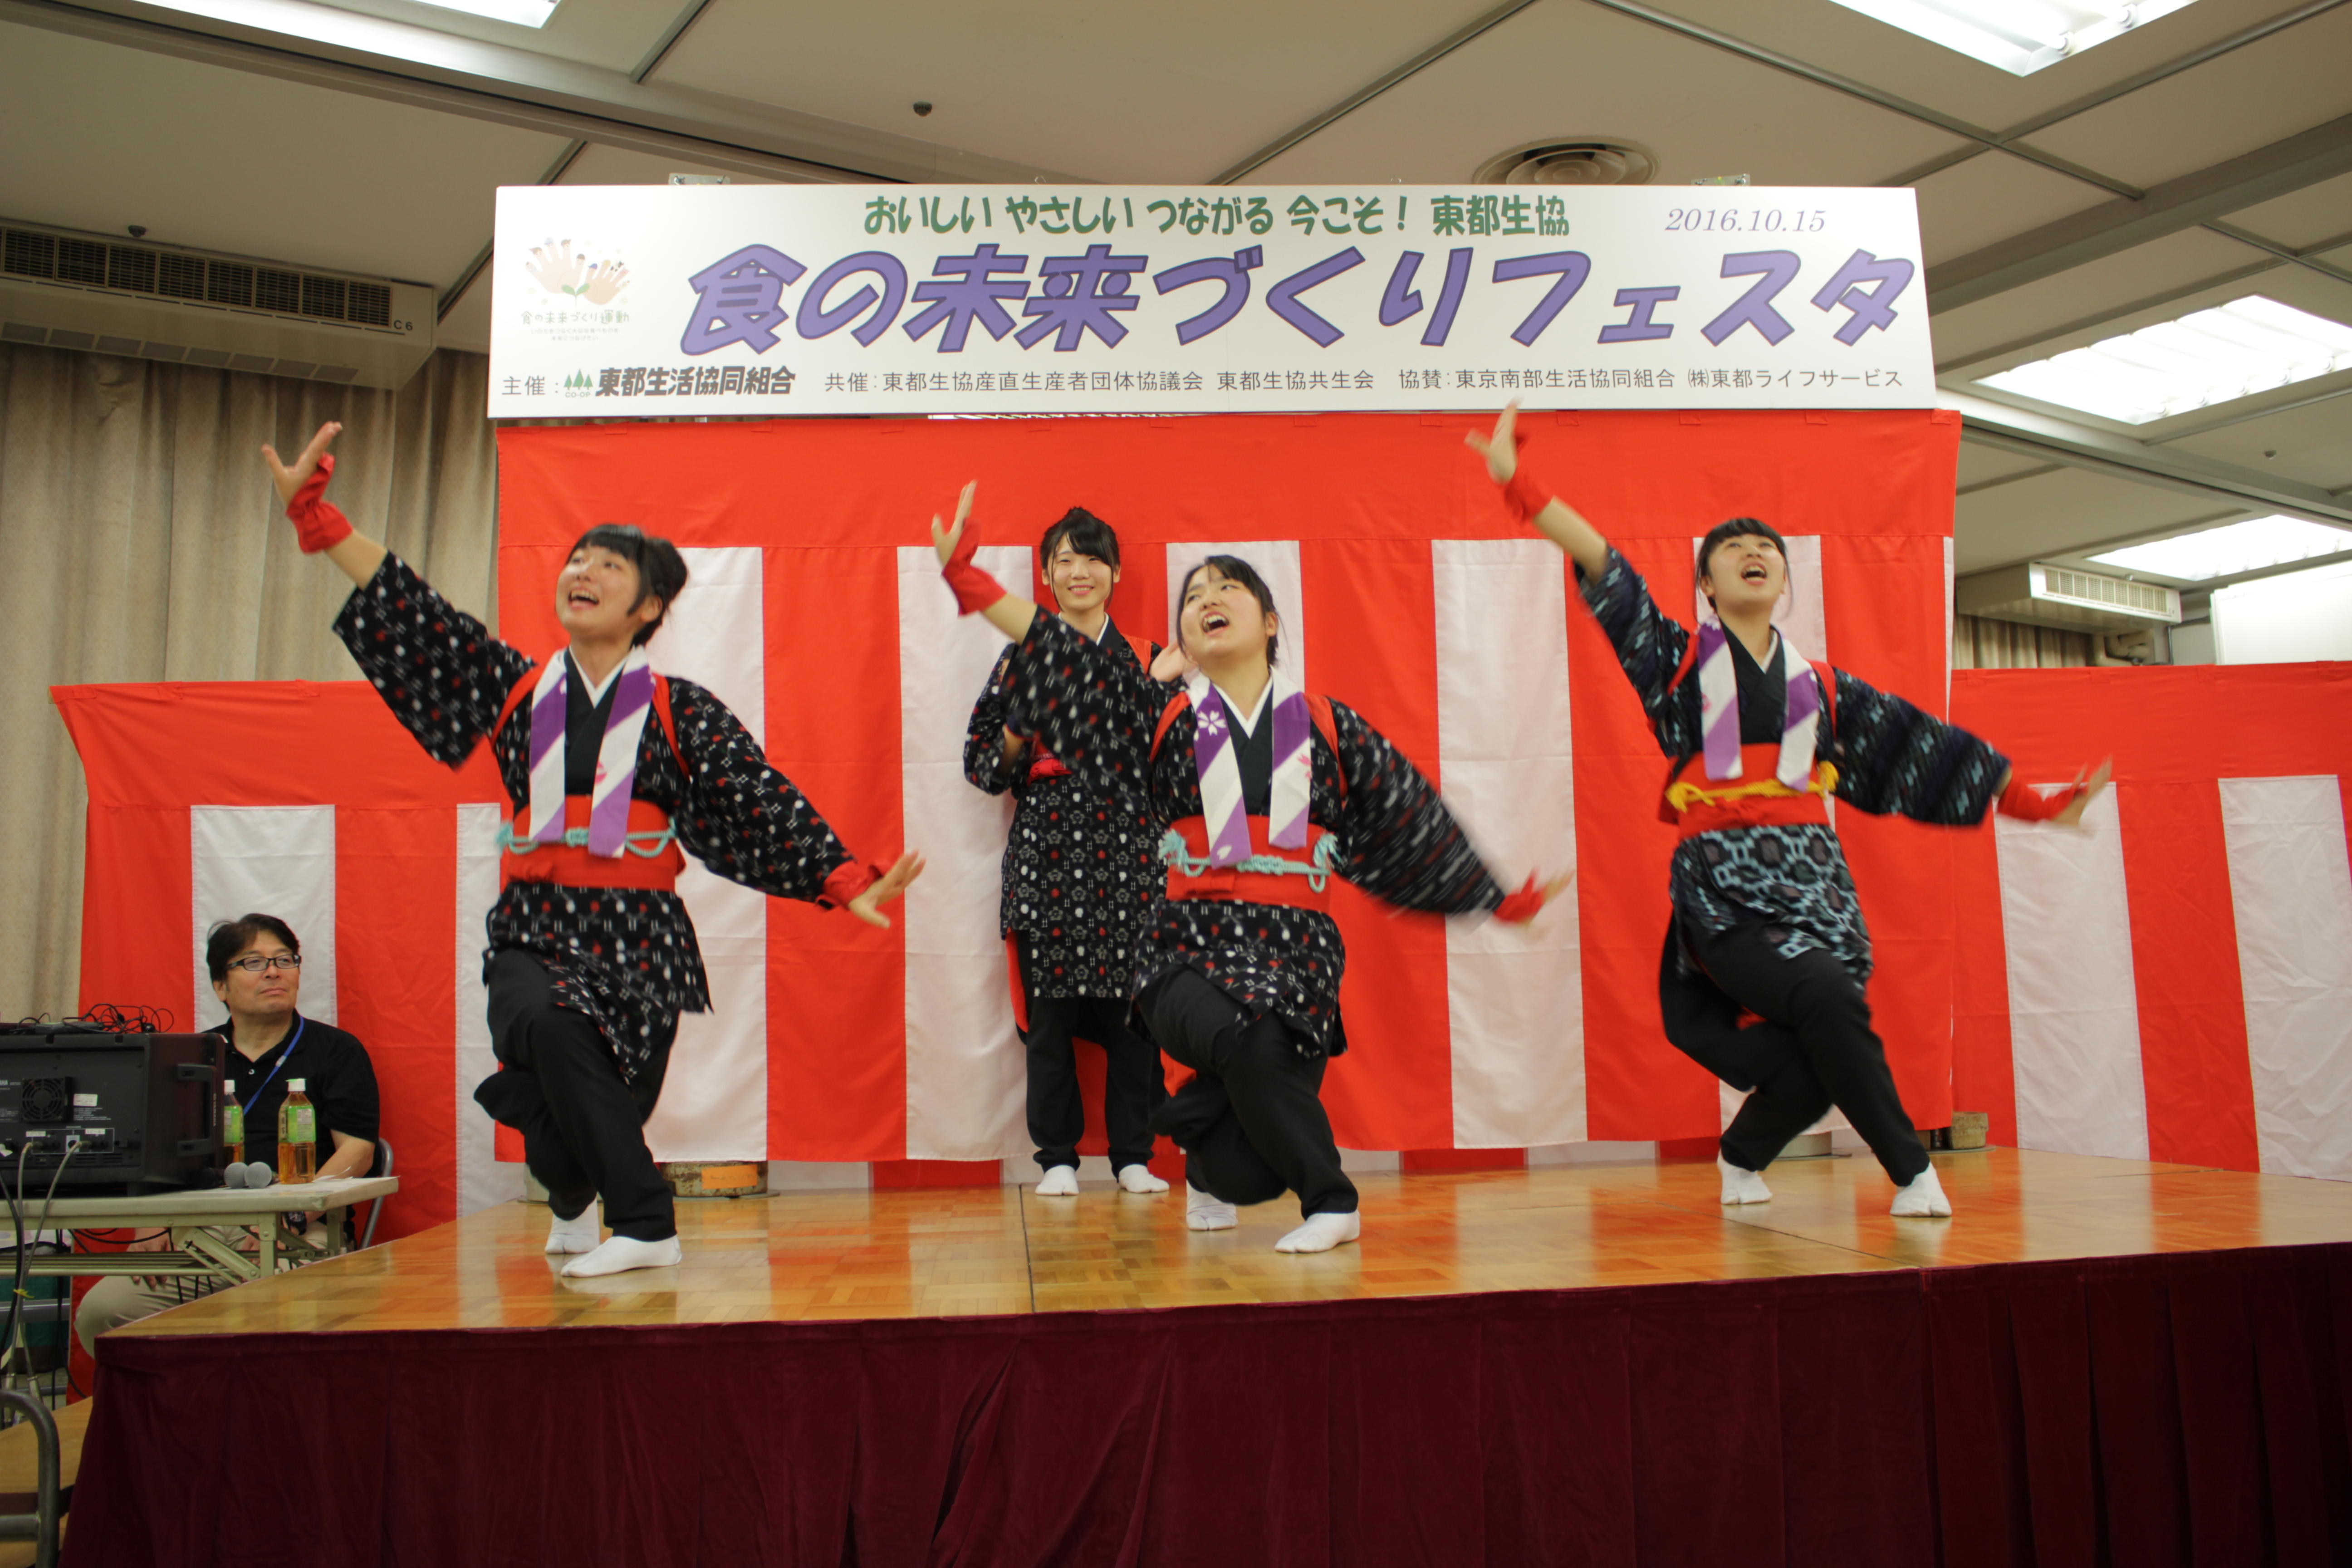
612	770
1766	921
1261	794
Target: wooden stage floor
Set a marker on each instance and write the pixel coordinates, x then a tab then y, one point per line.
1000	1250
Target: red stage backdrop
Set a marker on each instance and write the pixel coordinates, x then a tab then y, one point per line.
2174	983
815	611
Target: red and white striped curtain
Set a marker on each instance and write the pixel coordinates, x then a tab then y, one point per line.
816	613
2174	983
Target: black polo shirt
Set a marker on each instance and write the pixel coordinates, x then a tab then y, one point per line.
336	1075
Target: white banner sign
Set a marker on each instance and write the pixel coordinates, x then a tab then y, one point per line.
669	300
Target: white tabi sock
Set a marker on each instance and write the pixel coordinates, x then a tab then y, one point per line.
1321	1233
1139	1179
1058	1182
620	1253
1742	1186
1923	1199
579	1234
1202	1212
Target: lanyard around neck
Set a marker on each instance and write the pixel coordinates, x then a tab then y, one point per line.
301	1023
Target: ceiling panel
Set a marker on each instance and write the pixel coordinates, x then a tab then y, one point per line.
1166	93
1982	465
2312	444
613	34
1972	205
2047	305
2258	95
2290	285
2057	513
1851	45
1567	69
223	160
2310	214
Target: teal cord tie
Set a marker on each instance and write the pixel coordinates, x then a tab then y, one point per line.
1177	858
650	845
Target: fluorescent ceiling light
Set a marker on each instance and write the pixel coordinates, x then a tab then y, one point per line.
2232	350
521	13
2225	552
2021	37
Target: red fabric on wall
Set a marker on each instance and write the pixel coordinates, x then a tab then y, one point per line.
1372	625
836	988
395	873
151	752
2021	1414
2173	733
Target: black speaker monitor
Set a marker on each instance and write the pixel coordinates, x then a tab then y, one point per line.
144	1108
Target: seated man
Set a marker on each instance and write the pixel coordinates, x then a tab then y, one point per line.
256	964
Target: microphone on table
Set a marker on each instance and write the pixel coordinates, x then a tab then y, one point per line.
255	1174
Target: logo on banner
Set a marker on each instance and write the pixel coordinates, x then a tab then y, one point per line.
574	295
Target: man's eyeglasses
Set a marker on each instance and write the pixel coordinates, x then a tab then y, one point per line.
254	962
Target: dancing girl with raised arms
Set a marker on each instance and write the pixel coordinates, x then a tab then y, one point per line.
1766	919
611	770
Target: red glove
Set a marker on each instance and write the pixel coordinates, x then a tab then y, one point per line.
974	589
2023	801
319	523
1517	908
847	881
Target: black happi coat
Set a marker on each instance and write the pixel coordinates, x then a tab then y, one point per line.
1396	839
1081	863
624	957
1891	758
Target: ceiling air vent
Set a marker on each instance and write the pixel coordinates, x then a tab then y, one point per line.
1570	161
72	290
2045	595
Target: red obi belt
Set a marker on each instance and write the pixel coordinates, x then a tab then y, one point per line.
650	856
1296	879
1696	803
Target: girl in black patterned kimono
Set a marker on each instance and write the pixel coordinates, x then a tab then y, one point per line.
1766	921
1261	793
1080	877
612	770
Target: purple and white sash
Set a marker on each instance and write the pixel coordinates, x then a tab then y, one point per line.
1718	708
1221	772
617	756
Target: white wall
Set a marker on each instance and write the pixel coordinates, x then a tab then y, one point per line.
2284	619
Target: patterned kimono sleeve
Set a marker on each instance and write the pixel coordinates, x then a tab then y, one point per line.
439	671
1650	646
1402	845
1894	758
740	817
1093	710
983	739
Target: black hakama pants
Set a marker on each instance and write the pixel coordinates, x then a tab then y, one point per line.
1132	1085
583	1125
1252	1123
1814	1049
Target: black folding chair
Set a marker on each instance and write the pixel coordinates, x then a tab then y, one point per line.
382	1167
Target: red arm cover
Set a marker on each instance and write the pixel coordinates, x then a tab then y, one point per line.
1517	908
2023	801
847	880
319	523
1523	494
974	589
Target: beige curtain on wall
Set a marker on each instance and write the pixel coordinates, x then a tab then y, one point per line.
2003	645
143	542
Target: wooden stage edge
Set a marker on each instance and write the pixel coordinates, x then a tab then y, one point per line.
990	1251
